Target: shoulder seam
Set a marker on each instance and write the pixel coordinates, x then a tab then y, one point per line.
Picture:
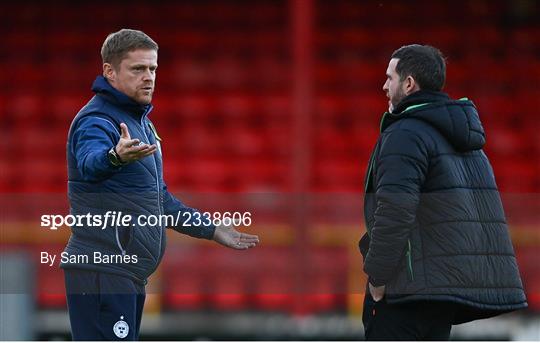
100	118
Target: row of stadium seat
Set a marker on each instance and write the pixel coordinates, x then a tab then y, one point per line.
226	74
214	279
233	175
224	105
271	279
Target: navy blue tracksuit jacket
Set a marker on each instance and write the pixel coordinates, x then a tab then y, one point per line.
106	297
95	186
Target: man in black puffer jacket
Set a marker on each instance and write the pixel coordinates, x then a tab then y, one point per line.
437	249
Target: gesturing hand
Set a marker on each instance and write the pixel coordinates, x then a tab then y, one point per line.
131	150
229	237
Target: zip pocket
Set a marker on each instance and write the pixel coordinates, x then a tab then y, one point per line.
118	240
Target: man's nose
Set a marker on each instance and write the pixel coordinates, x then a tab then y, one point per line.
385	86
148	75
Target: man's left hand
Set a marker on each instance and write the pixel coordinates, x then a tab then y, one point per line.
377	293
231	238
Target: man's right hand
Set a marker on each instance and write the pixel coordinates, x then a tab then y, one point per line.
129	149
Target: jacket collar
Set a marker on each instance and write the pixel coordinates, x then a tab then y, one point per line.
418	98
103	88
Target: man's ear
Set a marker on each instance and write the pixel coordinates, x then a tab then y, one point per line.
410	85
108	72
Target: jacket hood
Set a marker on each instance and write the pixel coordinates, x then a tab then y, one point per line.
103	88
456	120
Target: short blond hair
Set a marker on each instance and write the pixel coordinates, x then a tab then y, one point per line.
118	44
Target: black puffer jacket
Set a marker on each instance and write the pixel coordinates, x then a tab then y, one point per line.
435	221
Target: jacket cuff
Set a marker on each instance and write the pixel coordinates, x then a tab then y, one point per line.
106	162
363	246
204	232
376	282
207	232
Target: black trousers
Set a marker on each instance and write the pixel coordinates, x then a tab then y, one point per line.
412	321
103	307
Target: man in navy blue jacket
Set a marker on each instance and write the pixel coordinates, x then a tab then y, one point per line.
115	168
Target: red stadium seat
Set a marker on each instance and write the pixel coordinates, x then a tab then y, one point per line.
274	280
49	286
527	257
184	272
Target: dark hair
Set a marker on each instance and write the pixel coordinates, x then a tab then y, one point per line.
118	44
424	63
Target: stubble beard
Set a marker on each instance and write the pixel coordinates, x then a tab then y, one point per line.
396	99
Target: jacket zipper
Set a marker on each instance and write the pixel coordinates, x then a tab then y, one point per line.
370	168
157	184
